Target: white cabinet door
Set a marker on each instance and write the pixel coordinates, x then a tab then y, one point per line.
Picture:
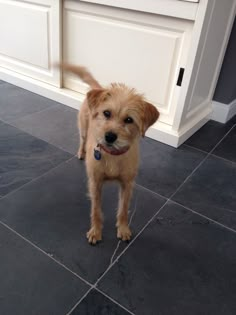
145	51
30	39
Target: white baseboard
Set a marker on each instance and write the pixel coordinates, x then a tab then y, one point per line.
164	133
160	131
223	112
197	121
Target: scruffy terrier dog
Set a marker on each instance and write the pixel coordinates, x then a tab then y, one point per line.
111	121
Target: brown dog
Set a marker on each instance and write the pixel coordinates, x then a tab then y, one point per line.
111	121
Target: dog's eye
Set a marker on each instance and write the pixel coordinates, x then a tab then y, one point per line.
128	120
107	113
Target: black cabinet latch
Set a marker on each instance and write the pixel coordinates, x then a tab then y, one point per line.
180	77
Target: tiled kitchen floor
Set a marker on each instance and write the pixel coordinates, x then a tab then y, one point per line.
182	258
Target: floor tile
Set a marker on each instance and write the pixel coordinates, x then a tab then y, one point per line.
31	282
97	304
56	125
212	191
180	264
209	135
164	168
16	102
24	157
227	148
53	212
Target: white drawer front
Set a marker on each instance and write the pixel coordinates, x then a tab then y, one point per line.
176	8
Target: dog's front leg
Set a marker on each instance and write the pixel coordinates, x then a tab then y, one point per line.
123	230
95	233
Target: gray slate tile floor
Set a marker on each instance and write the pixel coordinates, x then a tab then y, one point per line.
182	257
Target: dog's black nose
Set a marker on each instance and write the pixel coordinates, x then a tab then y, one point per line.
110	137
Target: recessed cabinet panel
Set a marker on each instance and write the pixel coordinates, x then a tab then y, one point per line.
31	31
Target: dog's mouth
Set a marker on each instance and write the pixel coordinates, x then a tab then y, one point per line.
109	148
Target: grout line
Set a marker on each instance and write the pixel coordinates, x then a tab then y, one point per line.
36	178
133	213
131	242
119	242
114	301
193	171
31	114
192	147
45	253
200	164
56	146
115	251
36	137
151	191
80	300
223	137
130	221
202	215
221	158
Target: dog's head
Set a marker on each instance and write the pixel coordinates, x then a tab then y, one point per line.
119	116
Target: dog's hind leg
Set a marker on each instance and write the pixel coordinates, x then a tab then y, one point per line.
83	120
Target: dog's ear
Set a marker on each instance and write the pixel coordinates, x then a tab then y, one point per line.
150	116
95	97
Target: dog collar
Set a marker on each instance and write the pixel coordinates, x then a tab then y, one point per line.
98	154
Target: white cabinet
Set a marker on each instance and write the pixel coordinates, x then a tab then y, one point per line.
30	38
170	50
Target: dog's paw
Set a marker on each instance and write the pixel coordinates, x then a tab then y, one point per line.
94	235
124	233
81	154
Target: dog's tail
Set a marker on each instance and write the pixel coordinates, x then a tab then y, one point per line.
83	73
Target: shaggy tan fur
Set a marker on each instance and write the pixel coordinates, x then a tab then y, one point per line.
119	160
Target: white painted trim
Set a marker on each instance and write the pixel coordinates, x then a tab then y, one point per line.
223	112
195	123
164	133
193	52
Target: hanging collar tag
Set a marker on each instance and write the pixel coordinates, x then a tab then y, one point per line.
97	153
